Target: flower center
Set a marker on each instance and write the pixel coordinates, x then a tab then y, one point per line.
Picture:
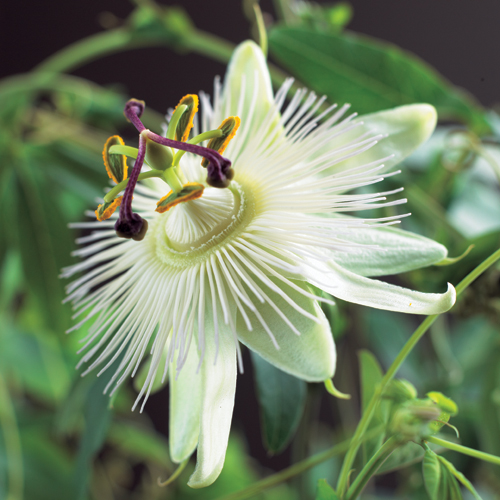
189	230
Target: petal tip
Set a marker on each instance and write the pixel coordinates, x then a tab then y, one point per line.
199	480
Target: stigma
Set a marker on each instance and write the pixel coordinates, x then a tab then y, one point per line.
162	155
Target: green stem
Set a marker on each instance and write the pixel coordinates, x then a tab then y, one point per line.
94	47
205	136
121	39
12	442
372	467
175	475
403	354
115	191
261	28
464	450
172	179
284	11
296	469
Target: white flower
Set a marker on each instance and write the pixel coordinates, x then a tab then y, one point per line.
237	264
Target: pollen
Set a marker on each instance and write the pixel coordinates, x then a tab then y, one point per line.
106	210
116	165
229	127
186	120
190	191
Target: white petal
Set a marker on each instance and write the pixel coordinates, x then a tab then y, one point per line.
351	287
311	355
247	72
218	386
407	127
185	407
390	251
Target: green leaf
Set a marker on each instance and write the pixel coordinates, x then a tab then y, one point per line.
325	491
35	362
460	477
402	457
282	399
371	375
47	465
369	73
97	416
41	235
140	442
431	469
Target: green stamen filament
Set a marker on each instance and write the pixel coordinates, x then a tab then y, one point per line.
128	151
115	191
172	179
205	136
172	126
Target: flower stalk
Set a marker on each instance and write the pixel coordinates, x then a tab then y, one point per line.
487	457
372	466
396	364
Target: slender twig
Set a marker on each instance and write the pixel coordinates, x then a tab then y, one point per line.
464	450
372	466
403	354
296	469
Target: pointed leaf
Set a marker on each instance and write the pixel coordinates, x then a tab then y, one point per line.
431	469
282	400
371	375
369	73
325	491
460	477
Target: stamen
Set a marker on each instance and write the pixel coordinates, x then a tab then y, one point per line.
116	164
190	191
219	168
106	210
185	123
228	128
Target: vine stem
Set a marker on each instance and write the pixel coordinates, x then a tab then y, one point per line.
396	364
464	450
120	39
296	469
372	466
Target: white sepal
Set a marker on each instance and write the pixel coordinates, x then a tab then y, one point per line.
311	355
218	386
351	287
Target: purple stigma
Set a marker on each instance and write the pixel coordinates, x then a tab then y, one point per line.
131	225
219	171
133	111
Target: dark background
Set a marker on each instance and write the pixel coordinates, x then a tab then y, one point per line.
460	38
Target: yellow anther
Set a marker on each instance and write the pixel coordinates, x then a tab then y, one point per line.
186	120
229	127
116	165
189	191
106	210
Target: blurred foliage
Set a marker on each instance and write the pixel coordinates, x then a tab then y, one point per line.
60	437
